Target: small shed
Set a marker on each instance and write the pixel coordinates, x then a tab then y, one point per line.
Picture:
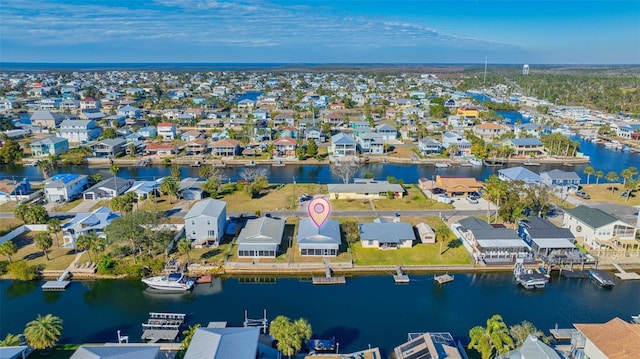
425	233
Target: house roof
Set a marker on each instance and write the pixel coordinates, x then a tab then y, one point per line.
615	338
593	217
263	230
490	126
12	352
368	187
159	146
541	228
110	183
533	348
310	235
526	142
285	141
557	174
226	142
342	139
113	142
49	140
223	343
387	232
46	116
165	124
97	219
73	123
209	207
458	184
520	174
62	178
116	352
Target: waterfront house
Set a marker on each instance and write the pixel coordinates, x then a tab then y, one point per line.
368	189
519	173
559	178
526	146
14	189
342	145
85	223
65	187
450	138
627	130
46	119
197	147
117	351
533	347
49	146
318	241
491	243
225	147
599	229
79	130
109	148
107	188
360	127
528	130
167	131
205	222
430	345
284	147
372	143
387	132
489	130
143	189
260	237
224	343
385	235
545	238
615	339
458	186
429	146
160	149
191	135
315	134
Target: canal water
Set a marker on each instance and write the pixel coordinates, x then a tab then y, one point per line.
367	310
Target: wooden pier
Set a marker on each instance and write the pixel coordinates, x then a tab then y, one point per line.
400	277
329	278
162	326
57	285
562	334
443	278
624	275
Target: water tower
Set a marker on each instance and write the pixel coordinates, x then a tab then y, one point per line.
525	69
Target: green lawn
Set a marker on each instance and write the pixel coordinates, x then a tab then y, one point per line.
59	258
424	254
277	198
67	206
8	206
63	351
413	200
9	224
101	203
603	193
159	204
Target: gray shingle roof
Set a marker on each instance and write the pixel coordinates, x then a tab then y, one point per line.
262	230
560	175
224	343
209	207
520	174
116	352
526	142
309	235
372	187
387	232
343	139
593	217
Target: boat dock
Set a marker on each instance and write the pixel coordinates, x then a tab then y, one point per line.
329	278
400	277
443	278
562	334
57	285
162	326
262	323
624	275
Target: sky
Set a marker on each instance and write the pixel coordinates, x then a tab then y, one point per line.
320	31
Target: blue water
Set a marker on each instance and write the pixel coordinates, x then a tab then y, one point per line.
367	310
513	117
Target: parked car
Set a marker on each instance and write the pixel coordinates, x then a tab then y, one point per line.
583	195
437	190
472	199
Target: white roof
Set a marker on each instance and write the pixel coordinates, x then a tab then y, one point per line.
223	343
209	207
116	352
554	243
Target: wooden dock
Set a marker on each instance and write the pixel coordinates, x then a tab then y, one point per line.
400	277
443	278
624	275
162	326
57	285
562	334
329	278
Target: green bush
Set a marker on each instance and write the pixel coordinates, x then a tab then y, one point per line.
3	267
106	265
23	271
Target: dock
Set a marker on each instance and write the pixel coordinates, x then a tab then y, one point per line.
562	334
400	277
57	285
443	278
162	326
624	275
329	278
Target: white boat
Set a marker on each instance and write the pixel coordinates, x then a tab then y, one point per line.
443	165
601	278
475	162
170	282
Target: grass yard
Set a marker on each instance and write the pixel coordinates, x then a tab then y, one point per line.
205	255
63	351
425	254
276	198
59	258
101	203
8	207
413	200
350	205
159	204
67	206
401	151
9	224
602	193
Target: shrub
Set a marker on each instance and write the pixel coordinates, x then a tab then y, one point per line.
106	265
23	271
3	267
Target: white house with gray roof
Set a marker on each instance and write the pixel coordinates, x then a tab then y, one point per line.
224	343
384	235
318	241
205	222
532	348
559	178
599	229
260	237
79	130
108	188
519	173
85	223
364	190
343	145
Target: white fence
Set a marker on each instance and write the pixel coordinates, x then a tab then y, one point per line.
22	229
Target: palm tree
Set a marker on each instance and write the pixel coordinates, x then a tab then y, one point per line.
43	332
46	166
89	242
176	172
289	335
612	177
114	169
631	186
628	174
8	249
43	242
53	227
170	187
11	340
599	174
589	171
492	338
184	247
442	232
495	190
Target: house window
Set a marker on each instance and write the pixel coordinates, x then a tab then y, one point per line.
193	232
211	233
208	222
193	221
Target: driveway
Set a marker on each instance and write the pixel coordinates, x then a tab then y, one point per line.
84	206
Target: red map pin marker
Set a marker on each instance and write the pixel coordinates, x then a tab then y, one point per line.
319	210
